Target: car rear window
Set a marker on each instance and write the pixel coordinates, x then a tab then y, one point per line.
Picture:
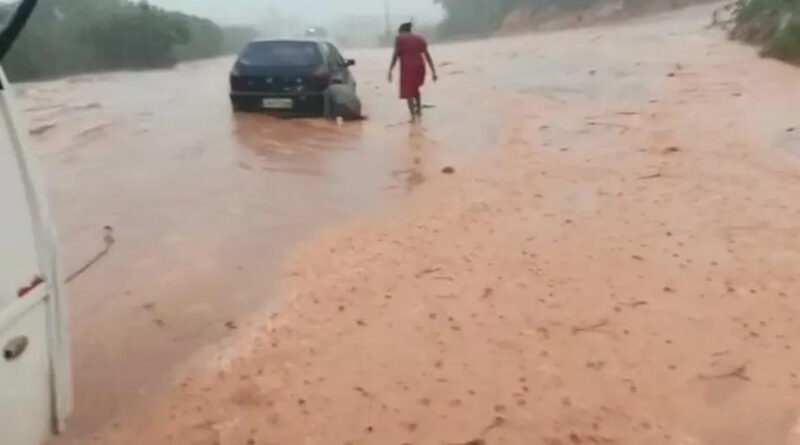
281	54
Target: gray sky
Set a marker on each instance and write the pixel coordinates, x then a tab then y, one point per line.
322	11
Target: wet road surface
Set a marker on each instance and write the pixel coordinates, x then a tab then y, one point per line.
553	130
205	203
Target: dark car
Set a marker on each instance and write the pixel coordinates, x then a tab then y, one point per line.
288	75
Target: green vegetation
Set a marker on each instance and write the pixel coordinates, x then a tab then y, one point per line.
77	36
773	24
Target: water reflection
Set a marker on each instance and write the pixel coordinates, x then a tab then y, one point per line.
415	158
293	145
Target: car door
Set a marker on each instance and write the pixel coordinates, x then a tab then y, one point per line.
34	367
339	65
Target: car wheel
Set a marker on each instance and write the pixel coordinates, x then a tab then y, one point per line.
237	105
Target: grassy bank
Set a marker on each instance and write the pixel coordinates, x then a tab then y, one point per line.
772	24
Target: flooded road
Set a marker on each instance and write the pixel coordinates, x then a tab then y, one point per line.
610	263
205	203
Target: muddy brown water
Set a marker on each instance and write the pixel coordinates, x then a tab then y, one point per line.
205	204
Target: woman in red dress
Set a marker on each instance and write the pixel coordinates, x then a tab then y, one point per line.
410	48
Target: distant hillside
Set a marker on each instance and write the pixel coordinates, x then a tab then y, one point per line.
484	17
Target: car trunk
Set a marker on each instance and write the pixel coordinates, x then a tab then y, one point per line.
278	80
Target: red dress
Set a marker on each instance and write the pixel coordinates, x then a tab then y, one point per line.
410	48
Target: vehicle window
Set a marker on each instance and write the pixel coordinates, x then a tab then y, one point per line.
281	54
335	55
326	54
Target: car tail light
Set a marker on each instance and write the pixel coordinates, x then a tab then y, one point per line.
322	72
321	78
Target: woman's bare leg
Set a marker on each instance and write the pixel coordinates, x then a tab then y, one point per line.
412	108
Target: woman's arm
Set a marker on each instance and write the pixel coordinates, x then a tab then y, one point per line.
395	57
431	64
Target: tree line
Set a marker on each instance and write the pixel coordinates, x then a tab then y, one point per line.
78	36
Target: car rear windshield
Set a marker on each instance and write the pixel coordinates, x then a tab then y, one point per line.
281	54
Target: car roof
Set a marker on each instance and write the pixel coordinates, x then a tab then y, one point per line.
296	39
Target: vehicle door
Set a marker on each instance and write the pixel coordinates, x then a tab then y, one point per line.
339	65
34	365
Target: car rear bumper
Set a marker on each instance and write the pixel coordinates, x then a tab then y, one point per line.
302	102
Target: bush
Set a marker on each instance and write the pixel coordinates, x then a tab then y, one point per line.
785	44
772	24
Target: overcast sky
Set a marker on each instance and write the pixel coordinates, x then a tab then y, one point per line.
322	11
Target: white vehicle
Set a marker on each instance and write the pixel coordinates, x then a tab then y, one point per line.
34	363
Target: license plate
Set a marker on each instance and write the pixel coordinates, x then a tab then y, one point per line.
278	104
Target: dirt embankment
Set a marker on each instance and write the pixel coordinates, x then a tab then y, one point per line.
558	16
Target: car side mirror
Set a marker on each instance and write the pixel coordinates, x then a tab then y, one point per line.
349	62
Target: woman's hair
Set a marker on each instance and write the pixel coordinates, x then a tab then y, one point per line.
405	27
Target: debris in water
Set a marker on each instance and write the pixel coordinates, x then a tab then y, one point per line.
41	129
86	106
108	240
473	442
94	129
653	176
108	235
670	150
589	328
738	373
448	170
496	423
428	271
231	325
